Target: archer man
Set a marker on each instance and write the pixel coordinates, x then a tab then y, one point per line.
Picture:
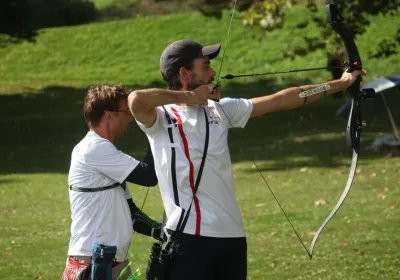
188	122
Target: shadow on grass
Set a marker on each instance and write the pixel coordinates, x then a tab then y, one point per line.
6	181
39	130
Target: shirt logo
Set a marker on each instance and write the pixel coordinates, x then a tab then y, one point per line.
214	119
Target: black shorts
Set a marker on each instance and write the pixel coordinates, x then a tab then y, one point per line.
210	258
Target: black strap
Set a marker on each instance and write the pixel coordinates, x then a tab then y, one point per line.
198	179
113	186
173	158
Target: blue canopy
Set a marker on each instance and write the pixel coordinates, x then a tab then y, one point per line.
380	84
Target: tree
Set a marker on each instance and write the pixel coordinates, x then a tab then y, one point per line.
16	21
269	15
20	19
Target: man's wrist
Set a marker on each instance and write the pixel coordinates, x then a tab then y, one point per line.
344	84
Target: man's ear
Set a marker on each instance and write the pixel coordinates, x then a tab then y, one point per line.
107	115
184	74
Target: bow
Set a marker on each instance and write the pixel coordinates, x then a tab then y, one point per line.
355	122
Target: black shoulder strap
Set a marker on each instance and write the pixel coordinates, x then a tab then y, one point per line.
173	158
113	186
198	179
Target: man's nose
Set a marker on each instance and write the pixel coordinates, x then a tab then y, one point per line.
213	73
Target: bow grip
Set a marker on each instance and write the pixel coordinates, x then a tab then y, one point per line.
354	89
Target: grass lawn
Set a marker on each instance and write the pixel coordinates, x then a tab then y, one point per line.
103	3
302	153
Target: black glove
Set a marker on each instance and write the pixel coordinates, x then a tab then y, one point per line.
145	225
142	223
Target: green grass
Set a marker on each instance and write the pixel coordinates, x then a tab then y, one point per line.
301	153
128	51
103	3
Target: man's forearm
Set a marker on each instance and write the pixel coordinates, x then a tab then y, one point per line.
147	99
303	95
290	98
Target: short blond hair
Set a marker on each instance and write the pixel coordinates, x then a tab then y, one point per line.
101	98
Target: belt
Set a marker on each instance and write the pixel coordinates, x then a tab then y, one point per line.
86	259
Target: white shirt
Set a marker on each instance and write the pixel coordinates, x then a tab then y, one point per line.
216	213
99	217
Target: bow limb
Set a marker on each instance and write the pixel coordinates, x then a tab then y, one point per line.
339	203
354	124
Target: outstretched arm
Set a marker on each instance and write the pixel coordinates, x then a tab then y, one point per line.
290	98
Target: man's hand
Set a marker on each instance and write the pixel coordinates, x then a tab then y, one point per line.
215	91
201	94
349	78
156	234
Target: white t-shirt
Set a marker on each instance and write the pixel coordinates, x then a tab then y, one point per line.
99	217
216	212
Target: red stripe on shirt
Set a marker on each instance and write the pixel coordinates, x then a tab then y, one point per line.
191	169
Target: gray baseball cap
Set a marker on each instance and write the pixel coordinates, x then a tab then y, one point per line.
182	52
